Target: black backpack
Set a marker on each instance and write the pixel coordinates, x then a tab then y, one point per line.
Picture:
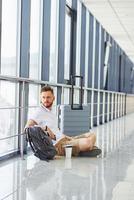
40	143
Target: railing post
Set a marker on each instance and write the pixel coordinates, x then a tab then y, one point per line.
22	119
98	109
92	108
115	114
118	102
108	106
112	106
103	112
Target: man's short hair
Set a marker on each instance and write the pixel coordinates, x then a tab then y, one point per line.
47	88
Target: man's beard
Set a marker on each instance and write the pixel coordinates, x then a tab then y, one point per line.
49	106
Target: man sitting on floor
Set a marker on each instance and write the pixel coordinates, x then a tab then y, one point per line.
47	120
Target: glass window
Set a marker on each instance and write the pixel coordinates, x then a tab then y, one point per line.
8	116
132	73
99	58
34	92
106	62
67	51
9	175
66	95
93	60
34	98
10	37
86	48
55	101
76	96
78	40
86	55
69	3
35	39
54	40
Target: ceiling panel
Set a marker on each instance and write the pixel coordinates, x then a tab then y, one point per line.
117	17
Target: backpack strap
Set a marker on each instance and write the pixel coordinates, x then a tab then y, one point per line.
28	138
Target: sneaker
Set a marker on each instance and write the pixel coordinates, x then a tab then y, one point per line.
92	153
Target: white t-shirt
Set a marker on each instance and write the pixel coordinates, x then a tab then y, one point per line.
45	117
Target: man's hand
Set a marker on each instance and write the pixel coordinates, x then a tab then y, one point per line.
51	134
30	123
59	145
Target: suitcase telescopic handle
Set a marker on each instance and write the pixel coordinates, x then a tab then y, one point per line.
77	106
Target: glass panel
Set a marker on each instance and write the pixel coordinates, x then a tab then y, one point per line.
78	39
54	40
99	58
55	102
10	37
94	43
66	95
106	63
8	122
76	96
86	49
8	116
85	96
34	98
34	91
35	39
69	2
11	175
8	94
67	44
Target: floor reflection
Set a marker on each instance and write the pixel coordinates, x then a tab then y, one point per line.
66	179
111	135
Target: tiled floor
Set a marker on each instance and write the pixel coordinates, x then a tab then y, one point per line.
109	177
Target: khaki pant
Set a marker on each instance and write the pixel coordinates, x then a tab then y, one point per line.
74	141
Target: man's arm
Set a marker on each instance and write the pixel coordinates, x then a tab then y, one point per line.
30	122
45	128
51	134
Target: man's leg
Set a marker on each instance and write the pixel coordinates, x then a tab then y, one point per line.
84	135
84	142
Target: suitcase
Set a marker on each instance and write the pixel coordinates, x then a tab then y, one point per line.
74	118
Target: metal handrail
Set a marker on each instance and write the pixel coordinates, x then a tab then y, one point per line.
18	107
21	142
5	138
38	82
